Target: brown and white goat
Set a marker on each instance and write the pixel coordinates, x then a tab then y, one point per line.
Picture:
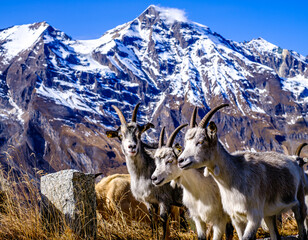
113	195
200	194
141	166
253	185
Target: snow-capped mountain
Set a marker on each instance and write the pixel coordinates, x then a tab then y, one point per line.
56	92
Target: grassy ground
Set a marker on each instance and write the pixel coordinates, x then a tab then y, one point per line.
20	218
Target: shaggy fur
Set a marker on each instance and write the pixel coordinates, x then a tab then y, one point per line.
252	185
200	194
141	166
113	192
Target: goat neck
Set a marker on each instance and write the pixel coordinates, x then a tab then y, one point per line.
140	163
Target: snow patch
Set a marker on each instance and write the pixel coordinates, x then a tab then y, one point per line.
298	86
66	98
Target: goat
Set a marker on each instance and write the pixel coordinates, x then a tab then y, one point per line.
200	194
141	166
113	195
301	162
252	185
113	192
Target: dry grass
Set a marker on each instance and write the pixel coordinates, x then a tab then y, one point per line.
117	226
20	218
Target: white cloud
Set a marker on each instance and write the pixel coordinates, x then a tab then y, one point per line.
172	14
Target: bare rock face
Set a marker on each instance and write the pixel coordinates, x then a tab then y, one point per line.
56	93
72	193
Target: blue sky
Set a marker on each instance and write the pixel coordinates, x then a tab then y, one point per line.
283	23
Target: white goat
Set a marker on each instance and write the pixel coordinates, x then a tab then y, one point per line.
141	166
252	185
200	194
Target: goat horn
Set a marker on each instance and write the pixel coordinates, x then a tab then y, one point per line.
173	135
193	118
285	150
134	117
209	115
120	114
161	138
299	149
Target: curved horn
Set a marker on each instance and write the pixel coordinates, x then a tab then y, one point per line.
173	135
285	150
134	116
209	115
120	114
299	149
161	138
193	118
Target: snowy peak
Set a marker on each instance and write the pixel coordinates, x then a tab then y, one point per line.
62	89
261	45
55	34
169	15
16	39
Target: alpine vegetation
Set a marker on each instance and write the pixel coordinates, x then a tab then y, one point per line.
253	185
200	194
141	166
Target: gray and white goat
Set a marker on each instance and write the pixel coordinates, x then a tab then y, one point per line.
302	162
200	194
253	185
141	166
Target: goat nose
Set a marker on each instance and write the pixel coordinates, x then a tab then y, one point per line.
154	178
132	146
180	160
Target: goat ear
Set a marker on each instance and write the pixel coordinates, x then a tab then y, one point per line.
178	149
212	130
146	127
112	134
151	152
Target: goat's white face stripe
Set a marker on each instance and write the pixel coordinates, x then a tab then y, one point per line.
130	141
190	155
166	166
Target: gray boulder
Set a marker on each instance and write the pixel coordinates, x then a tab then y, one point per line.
70	194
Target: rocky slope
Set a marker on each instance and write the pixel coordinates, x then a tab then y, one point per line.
56	92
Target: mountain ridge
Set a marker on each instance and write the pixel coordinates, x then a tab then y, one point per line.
59	91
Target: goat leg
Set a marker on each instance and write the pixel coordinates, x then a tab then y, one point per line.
153	209
183	221
251	229
300	212
272	227
166	228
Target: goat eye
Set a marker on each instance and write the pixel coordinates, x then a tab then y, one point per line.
200	143
120	136
169	161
